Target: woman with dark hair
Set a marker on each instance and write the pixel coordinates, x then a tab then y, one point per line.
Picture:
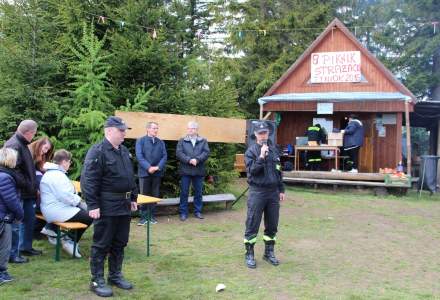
42	152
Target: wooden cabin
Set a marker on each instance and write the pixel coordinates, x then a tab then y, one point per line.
337	76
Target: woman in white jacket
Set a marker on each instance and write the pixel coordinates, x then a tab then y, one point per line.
59	202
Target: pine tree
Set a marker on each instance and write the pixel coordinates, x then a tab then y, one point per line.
268	36
405	36
83	124
29	68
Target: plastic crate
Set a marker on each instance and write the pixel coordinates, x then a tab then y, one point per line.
397	181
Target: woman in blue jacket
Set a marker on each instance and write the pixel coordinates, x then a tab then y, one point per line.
10	207
353	141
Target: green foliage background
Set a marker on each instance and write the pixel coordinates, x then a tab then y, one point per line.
63	66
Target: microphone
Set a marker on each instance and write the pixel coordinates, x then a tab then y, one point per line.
264	143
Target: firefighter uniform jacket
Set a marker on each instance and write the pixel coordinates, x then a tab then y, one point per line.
264	173
107	179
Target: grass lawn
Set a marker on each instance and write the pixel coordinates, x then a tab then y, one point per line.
344	245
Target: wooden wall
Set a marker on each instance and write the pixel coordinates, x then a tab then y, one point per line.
355	106
298	81
173	127
388	150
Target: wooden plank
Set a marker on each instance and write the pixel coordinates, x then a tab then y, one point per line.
77	186
335	175
366	152
205	199
172	127
343	182
70	225
239	164
143	199
64	225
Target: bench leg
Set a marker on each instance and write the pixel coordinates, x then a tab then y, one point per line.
228	205
58	245
148	230
74	243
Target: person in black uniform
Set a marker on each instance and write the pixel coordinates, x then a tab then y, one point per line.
266	190
108	186
315	134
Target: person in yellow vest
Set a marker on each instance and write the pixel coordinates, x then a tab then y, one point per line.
315	134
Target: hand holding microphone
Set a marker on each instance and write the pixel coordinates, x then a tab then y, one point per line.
264	149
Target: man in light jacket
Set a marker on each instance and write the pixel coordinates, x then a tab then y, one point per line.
192	151
59	201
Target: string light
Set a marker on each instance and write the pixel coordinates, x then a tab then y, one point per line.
241	32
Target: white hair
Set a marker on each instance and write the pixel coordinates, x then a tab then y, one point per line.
149	124
193	124
27	126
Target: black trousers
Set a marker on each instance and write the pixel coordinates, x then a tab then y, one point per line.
267	201
314	160
354	156
110	234
150	186
83	217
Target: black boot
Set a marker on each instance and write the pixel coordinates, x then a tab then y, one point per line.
269	254
98	285
115	276
249	256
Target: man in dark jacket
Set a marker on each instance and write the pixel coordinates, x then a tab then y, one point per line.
266	190
192	151
353	141
22	235
152	157
108	186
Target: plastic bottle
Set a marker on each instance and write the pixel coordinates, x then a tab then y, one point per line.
400	167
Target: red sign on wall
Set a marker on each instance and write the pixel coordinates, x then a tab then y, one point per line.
328	67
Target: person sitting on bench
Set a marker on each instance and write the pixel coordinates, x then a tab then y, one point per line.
59	202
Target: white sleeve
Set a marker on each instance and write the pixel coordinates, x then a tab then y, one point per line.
65	192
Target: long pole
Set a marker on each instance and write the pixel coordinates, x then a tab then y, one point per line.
408	139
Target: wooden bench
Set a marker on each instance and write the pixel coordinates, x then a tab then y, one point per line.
143	199
63	228
227	198
239	164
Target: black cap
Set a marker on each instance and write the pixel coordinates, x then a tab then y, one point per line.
261	127
117	122
353	116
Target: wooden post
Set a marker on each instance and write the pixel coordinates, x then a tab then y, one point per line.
267	115
408	139
261	111
438	149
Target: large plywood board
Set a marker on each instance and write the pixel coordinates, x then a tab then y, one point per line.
173	127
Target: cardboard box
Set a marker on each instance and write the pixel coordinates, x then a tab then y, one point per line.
312	143
301	140
335	136
338	142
